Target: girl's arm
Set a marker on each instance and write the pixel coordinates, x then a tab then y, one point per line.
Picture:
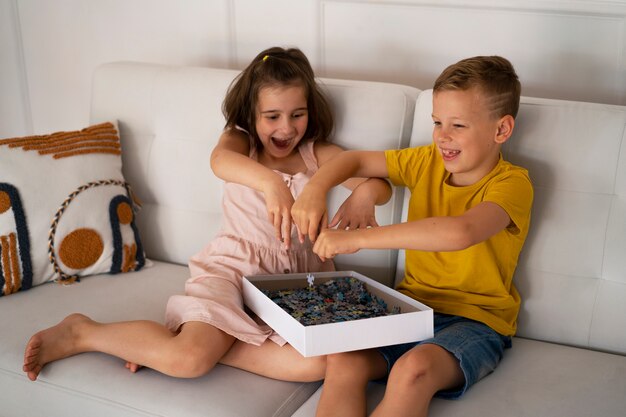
358	210
230	162
310	210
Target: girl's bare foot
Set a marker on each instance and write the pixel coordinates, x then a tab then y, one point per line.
133	367
56	342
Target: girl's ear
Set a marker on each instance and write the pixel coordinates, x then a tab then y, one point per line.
505	128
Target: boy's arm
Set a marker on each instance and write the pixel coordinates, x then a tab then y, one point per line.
326	152
230	162
429	234
310	209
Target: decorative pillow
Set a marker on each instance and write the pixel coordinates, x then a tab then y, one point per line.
65	209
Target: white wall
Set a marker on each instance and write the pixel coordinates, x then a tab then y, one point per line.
15	115
48	48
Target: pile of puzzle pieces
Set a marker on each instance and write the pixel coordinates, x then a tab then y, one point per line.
336	300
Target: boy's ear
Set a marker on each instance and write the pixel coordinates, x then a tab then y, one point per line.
505	128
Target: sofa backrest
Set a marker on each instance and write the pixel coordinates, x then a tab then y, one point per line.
170	119
572	271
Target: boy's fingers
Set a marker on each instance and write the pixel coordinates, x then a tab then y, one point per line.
303	229
301	235
316	228
324	255
316	250
312	231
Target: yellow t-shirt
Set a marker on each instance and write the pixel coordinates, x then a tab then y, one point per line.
476	282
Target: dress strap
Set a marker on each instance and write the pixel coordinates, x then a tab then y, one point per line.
308	156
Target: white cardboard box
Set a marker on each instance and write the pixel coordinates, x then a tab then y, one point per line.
414	323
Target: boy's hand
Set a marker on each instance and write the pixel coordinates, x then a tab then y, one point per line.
333	242
279	200
309	213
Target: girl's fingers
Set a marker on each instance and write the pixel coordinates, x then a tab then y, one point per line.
324	223
342	226
286	229
336	218
276	221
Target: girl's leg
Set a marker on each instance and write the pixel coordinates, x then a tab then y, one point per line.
345	385
273	361
190	353
415	378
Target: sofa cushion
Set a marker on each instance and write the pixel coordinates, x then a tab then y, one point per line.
65	209
100	383
534	379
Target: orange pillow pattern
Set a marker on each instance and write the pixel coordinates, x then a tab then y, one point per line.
65	209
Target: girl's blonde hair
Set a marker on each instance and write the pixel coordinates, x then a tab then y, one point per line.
494	76
277	67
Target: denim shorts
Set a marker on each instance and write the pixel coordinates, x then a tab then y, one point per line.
477	346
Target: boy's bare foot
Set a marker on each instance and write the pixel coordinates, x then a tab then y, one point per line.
56	342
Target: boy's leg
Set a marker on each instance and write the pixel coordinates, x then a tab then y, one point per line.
461	352
345	385
415	378
190	353
274	361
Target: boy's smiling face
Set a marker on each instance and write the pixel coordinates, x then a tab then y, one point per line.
467	134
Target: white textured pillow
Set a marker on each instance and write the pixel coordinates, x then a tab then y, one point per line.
65	209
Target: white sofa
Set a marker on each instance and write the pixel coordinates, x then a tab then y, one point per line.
567	360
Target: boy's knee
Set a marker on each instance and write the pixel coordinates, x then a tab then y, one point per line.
428	365
413	366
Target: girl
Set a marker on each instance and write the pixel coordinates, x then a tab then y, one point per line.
276	124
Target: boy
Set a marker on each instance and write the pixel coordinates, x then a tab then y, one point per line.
468	218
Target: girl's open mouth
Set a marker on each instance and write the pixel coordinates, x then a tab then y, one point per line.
281	143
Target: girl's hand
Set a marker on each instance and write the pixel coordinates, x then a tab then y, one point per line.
357	212
279	201
333	242
309	213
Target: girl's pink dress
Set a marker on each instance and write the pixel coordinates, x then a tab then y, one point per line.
246	245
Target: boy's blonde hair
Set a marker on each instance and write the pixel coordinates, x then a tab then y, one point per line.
494	76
